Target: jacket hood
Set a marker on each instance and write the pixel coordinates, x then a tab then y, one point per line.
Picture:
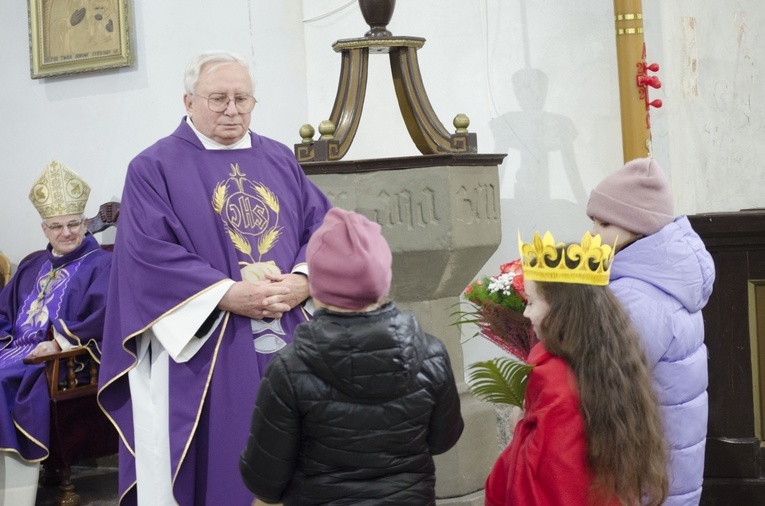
674	259
370	355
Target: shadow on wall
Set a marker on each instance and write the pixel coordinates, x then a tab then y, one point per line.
539	136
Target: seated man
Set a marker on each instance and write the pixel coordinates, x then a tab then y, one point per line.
60	291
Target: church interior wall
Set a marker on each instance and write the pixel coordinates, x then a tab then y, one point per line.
537	79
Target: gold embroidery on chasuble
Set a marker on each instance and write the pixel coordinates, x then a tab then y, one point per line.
46	285
250	214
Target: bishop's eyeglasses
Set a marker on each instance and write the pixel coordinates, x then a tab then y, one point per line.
218	102
57	228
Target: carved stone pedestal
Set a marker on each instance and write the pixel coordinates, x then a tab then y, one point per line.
441	217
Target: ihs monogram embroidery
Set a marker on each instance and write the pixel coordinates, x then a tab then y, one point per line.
250	212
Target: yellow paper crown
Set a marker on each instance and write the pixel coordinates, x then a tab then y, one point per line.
59	191
588	263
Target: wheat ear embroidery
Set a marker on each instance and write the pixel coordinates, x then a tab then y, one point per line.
219	197
268	240
240	242
268	197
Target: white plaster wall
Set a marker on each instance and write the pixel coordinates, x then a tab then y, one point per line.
715	69
560	139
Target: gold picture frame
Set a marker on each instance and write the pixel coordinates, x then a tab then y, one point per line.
74	36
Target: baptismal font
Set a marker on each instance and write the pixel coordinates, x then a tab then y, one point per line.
439	212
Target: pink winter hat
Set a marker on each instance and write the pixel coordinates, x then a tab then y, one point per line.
637	198
349	261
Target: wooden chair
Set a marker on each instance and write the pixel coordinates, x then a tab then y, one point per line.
79	430
5	270
106	217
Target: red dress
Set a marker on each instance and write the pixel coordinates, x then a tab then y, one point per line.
546	461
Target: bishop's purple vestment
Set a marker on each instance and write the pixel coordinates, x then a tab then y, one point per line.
67	292
189	219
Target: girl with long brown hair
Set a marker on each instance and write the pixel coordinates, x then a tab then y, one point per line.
591	432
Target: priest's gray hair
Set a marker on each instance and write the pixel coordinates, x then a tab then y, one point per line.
194	67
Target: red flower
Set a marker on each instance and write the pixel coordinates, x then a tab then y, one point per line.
470	287
518	286
513	268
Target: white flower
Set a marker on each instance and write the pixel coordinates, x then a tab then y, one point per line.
502	283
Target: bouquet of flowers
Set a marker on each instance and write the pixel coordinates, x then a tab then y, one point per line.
498	303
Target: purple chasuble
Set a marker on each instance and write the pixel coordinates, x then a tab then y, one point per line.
67	292
189	219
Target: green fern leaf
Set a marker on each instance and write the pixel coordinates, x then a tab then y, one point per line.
501	380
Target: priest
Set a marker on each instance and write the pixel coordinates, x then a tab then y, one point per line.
209	282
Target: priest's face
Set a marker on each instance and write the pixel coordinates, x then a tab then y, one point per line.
218	80
65	233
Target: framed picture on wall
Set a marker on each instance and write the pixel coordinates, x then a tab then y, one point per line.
74	36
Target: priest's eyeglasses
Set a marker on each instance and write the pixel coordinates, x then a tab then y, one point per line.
218	102
57	228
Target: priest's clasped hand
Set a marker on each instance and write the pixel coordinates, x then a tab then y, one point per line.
266	299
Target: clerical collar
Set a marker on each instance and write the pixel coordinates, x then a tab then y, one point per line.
243	143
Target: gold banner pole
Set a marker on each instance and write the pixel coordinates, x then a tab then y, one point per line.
633	79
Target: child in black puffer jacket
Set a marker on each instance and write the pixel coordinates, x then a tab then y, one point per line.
353	410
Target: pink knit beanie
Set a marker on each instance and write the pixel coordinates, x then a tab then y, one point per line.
637	198
349	261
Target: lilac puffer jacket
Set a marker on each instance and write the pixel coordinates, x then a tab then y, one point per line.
664	280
